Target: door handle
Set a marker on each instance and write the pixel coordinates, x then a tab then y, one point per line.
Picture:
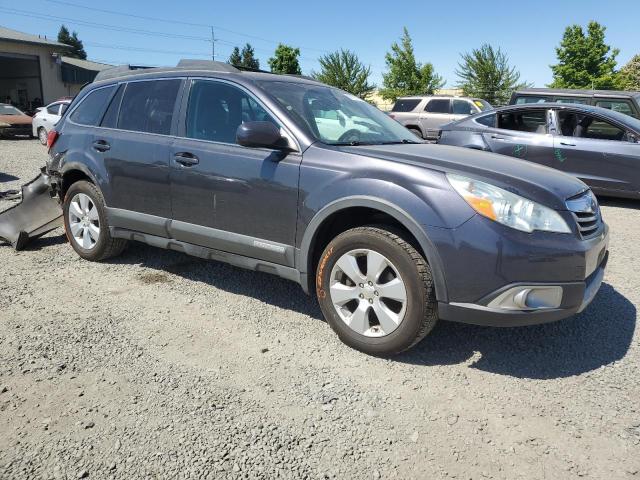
101	146
567	144
186	159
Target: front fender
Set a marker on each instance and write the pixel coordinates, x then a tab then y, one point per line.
397	212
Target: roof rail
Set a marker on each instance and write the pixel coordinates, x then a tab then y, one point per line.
118	71
207	65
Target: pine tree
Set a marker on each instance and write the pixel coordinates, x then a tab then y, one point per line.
77	48
285	60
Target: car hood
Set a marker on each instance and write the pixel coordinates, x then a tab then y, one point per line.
538	183
16	119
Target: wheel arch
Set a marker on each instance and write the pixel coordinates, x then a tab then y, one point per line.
310	245
73	173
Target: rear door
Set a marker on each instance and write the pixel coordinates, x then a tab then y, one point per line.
437	112
225	196
522	134
133	142
603	155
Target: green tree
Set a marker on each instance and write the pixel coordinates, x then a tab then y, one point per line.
343	69
630	75
248	58
485	73
235	58
285	60
77	48
406	76
585	60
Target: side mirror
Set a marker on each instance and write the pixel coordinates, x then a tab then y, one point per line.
261	135
632	138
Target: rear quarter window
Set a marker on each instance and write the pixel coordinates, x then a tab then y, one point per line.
487	120
405	105
92	107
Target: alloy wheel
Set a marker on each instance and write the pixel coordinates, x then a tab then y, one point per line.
84	221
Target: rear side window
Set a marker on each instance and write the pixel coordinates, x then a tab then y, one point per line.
532	121
405	105
437	106
53	109
581	101
148	106
110	119
92	107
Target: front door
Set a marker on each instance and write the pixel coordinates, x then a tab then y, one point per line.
437	112
522	134
228	197
601	154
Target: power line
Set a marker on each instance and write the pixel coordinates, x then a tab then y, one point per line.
192	24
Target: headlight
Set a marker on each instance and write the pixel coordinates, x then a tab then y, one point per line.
507	208
4	124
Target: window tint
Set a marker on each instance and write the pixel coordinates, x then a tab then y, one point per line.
487	120
216	110
622	107
405	105
110	118
90	110
586	126
581	101
437	106
532	121
462	107
53	109
148	106
530	99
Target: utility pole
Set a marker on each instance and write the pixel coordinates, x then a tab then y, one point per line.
213	45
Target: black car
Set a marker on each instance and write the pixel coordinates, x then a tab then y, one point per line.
599	146
288	176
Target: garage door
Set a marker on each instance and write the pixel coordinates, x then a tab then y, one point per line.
20	80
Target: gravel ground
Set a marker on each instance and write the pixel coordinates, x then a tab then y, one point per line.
156	364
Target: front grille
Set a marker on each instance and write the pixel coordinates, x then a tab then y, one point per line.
586	212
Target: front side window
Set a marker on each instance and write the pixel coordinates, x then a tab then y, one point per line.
92	106
405	104
438	105
586	126
616	106
531	121
335	117
463	107
148	106
215	111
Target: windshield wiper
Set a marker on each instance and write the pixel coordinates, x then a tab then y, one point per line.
352	143
398	142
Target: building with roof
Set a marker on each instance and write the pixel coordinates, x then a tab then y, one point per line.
34	70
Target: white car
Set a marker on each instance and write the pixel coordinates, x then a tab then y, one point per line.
47	117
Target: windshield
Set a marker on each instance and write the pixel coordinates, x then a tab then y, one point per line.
9	110
335	117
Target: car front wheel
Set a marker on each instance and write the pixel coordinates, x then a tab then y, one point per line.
375	290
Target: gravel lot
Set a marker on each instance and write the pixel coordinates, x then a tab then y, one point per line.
156	364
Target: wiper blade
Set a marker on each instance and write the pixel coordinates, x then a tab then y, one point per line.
352	143
398	142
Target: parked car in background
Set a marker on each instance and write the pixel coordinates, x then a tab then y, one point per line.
599	146
424	115
242	167
618	101
47	117
14	122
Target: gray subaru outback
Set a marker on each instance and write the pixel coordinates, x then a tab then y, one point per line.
285	175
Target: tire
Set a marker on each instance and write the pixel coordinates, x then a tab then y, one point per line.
415	316
85	223
42	135
416	132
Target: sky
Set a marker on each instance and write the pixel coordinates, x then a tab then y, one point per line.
527	32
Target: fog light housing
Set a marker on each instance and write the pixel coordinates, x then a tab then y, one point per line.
528	297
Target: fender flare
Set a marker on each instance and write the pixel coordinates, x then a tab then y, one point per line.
418	231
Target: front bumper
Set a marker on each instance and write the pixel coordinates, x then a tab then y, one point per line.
15	130
540	267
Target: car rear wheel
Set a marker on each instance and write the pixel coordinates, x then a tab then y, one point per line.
376	291
42	135
85	223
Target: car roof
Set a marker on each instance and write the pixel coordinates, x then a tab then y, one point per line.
577	93
200	68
